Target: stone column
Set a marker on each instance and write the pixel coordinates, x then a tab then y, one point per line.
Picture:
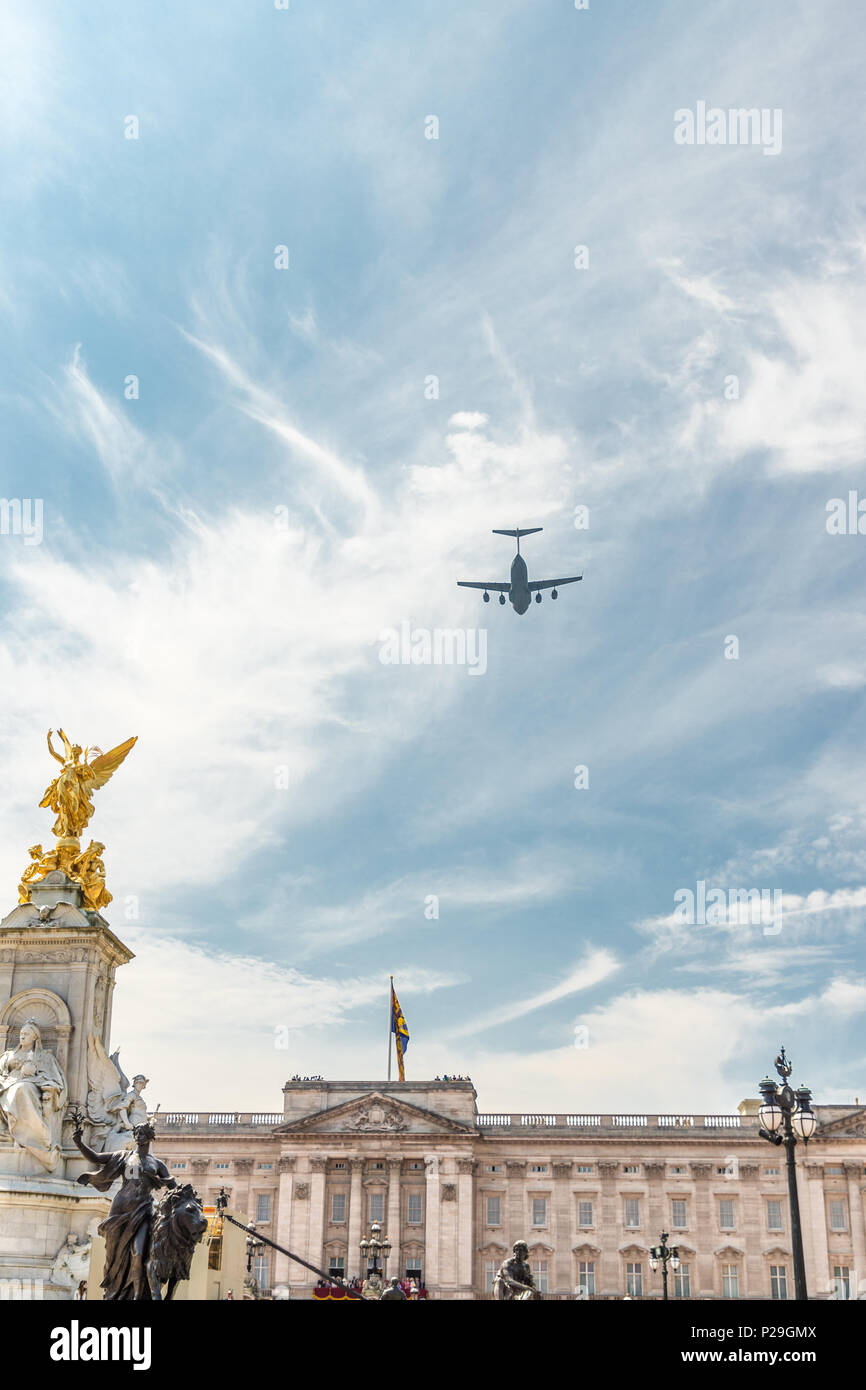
465	1224
393	1226
854	1173
813	1212
610	1229
356	1217
516	1219
300	1228
318	1168
755	1235
658	1217
283	1220
431	1223
706	1227
243	1168
561	1275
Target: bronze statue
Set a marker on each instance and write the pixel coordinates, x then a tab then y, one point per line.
393	1291
144	1247
513	1281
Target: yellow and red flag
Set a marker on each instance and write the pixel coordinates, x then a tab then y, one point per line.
400	1031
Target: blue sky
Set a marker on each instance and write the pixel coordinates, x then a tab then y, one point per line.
222	554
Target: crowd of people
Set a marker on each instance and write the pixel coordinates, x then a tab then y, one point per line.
453	1078
307	1078
373	1288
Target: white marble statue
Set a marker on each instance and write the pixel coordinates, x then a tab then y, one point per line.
72	1261
112	1102
32	1096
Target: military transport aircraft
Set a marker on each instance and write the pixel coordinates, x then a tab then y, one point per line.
519	590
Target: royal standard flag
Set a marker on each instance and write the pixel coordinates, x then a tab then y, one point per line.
400	1031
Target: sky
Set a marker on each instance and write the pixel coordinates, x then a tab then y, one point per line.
298	304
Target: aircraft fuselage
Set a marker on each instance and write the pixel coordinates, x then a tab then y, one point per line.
519	594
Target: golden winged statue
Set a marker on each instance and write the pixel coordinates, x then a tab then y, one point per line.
82	772
69	793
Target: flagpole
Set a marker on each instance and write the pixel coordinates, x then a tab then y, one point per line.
390	1023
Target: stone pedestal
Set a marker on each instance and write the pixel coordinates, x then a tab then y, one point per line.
57	966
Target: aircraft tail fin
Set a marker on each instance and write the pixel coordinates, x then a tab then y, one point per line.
529	531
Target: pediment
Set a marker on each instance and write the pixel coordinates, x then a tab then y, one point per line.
375	1113
846	1127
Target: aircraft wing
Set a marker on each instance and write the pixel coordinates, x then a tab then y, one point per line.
553	583
471	584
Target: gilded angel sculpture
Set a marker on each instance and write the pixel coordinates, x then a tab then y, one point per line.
69	793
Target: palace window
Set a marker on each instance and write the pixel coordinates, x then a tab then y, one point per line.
263	1206
584	1213
730	1281
377	1166
221	1165
834	1172
634	1280
678	1169
584	1167
632	1212
631	1168
683	1282
726	1214
377	1206
494	1211
778	1281
586	1277
260	1271
838	1215
490	1267
774	1214
539	1274
416	1164
539	1211
266	1165
771	1172
339	1165
538	1168
337	1266
338	1206
414	1209
842	1281
494	1167
679	1214
178	1165
414	1269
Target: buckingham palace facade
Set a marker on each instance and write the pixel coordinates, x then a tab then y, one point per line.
590	1193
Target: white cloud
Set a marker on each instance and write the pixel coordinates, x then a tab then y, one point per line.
209	1027
596	966
468	420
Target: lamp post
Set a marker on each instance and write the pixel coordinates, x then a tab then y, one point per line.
377	1246
664	1255
786	1116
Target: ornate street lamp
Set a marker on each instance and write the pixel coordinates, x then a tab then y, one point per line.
664	1255
378	1246
787	1117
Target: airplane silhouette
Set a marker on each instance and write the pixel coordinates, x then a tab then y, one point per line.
519	591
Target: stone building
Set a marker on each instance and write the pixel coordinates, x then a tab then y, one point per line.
454	1188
